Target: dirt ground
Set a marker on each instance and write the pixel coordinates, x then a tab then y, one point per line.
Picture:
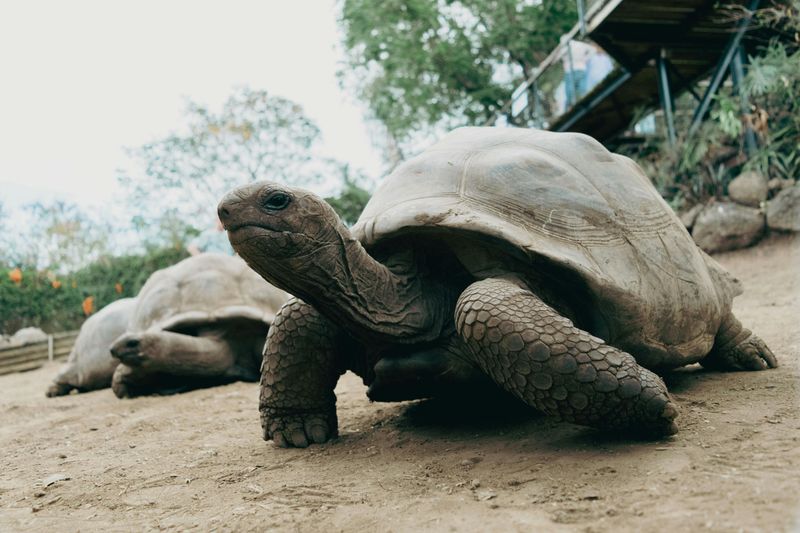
196	461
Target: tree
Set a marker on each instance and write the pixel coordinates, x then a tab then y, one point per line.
62	236
59	236
352	198
184	175
423	63
5	258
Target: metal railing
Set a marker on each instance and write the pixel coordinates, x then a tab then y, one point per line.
566	75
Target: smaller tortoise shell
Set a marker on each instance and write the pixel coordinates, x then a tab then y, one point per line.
204	289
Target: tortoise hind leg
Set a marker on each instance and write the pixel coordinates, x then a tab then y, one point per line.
737	348
530	350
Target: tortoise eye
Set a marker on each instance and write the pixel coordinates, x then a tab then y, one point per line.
276	201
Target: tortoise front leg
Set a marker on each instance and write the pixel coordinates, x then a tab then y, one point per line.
133	381
298	374
543	359
174	353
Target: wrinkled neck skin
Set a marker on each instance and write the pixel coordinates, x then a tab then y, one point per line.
369	300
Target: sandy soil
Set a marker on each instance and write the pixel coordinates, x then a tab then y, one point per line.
196	461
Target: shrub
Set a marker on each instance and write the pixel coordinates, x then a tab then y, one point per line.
54	303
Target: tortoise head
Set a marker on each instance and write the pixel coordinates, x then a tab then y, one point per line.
279	229
295	240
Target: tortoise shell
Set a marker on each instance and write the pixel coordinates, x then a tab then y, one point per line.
567	204
201	290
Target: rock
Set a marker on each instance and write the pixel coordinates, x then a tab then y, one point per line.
725	226
55	478
783	211
749	188
485	495
776	185
28	336
689	216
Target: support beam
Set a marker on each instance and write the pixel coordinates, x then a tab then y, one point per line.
737	75
722	67
578	112
582	16
682	80
665	95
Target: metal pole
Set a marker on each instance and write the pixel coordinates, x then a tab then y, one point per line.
737	75
582	16
540	109
584	109
722	68
572	79
666	96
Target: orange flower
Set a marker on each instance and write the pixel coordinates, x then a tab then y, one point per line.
88	305
55	283
15	276
118	288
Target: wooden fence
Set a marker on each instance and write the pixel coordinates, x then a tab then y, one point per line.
31	356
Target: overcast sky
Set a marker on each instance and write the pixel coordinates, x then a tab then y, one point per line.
80	80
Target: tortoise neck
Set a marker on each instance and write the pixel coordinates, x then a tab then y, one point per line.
369	299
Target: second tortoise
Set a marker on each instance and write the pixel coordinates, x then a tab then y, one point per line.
198	323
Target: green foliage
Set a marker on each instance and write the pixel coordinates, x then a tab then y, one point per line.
689	172
351	200
773	84
701	166
183	176
422	63
54	302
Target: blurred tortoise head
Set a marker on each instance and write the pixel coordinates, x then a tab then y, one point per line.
538	259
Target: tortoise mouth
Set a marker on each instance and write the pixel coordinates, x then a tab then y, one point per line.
252	241
241	233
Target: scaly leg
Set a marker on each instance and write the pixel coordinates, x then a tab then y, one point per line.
530	350
175	353
298	374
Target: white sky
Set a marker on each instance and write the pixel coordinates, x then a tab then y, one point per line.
80	80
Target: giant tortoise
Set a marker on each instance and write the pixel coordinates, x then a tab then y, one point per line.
198	323
538	259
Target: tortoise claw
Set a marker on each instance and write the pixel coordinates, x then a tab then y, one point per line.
750	354
299	430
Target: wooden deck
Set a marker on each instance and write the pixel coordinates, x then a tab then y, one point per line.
692	35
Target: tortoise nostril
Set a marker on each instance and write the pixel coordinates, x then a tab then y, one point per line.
132	343
223	213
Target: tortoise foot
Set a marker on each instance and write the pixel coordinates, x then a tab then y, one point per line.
650	413
58	389
737	348
750	354
298	430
